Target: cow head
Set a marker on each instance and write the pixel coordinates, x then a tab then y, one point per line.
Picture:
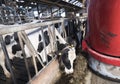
68	56
71	57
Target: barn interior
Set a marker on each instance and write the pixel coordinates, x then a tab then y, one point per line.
47	9
22	15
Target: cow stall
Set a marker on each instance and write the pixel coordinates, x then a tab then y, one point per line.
49	66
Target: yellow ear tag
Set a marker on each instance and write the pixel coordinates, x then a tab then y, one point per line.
72	45
59	53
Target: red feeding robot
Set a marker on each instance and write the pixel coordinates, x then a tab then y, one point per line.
103	37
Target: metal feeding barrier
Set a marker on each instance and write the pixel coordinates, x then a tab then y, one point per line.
20	29
10	16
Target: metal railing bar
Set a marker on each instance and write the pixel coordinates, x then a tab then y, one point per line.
7	58
24	54
16	28
64	31
54	38
31	48
51	39
44	45
26	40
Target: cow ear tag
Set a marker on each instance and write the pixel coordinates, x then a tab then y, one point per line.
59	53
72	45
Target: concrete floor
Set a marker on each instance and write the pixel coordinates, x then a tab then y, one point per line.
92	78
83	75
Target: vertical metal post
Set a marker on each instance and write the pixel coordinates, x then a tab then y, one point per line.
1	3
44	44
51	13
64	31
50	36
24	55
4	2
59	11
7	58
30	46
38	11
54	38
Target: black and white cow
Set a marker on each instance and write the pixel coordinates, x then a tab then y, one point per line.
73	31
14	49
66	57
67	53
37	42
36	38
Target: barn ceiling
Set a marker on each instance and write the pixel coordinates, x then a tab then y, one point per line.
43	5
71	5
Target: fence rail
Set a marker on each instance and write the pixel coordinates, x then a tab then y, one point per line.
16	28
6	29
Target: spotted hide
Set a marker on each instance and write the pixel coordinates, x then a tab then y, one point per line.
67	54
14	48
36	38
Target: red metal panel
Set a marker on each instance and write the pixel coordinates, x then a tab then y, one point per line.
104	26
101	57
